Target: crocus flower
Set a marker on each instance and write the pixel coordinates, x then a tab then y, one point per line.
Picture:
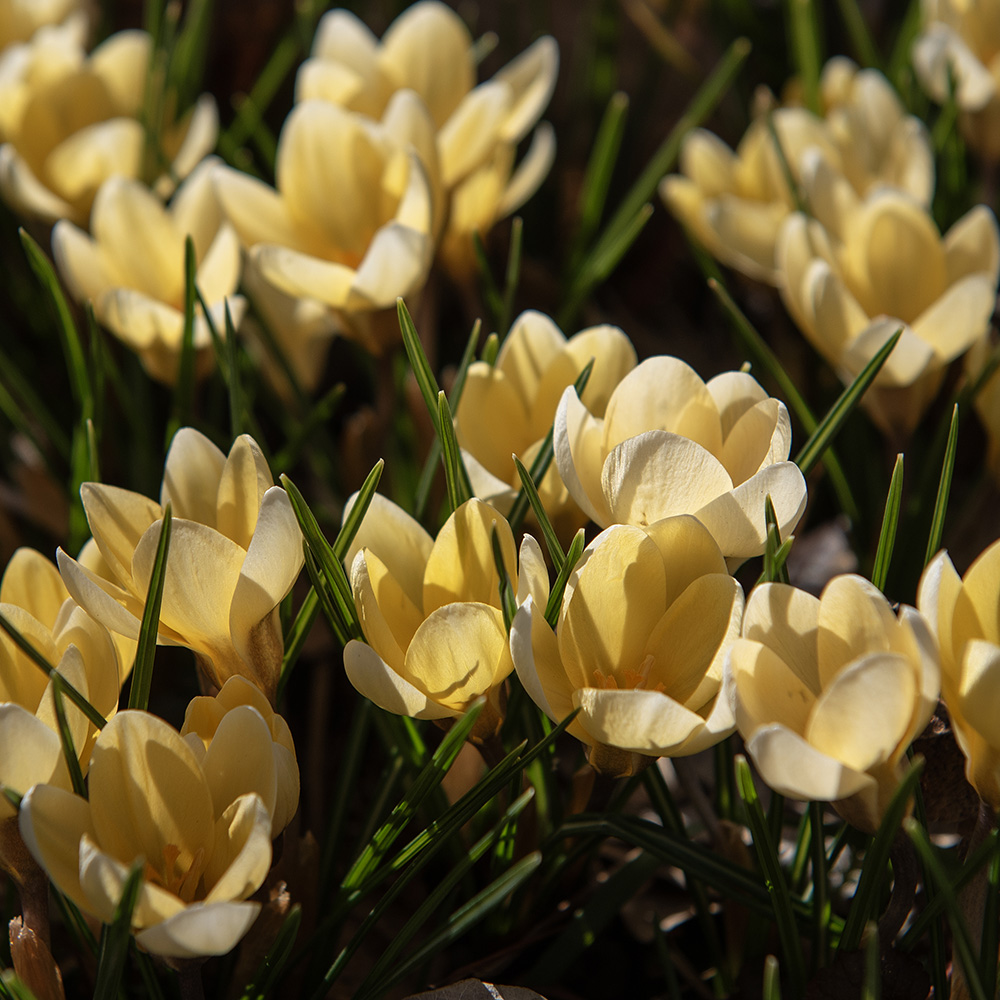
235	551
132	268
963	613
77	125
960	43
829	692
34	600
20	19
857	271
644	625
151	804
508	408
430	612
671	444
350	223
243	746
428	51
735	203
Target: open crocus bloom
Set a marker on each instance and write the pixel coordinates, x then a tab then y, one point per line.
235	551
735	203
77	125
430	612
151	804
645	621
857	271
960	42
828	693
963	614
243	746
34	600
508	408
428	51
672	444
132	267
350	224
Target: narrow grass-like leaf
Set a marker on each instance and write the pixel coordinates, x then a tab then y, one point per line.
76	361
76	924
961	941
491	291
455	474
512	276
184	389
543	459
666	962
490	350
890	520
323	592
115	939
806	50
820	893
419	364
990	939
871	987
265	979
429	778
772	979
66	738
548	532
508	602
11	796
142	669
352	521
554	603
865	51
943	490
786	168
758	349
233	381
774	566
456	925
42	663
600	169
812	451
14	987
295	639
93	455
866	896
767	857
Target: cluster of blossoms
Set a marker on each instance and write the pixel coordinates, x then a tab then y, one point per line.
391	159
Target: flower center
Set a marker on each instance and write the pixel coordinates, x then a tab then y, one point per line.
183	883
631	680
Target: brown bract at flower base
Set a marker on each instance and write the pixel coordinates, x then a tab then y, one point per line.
829	692
638	647
235	551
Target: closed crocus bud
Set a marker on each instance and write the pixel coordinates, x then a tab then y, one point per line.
429	52
643	628
958	49
858	271
132	268
243	746
828	693
963	614
77	124
35	601
235	551
430	612
508	408
151	804
735	203
350	223
671	444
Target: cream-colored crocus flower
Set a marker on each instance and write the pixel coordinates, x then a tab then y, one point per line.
76	124
963	613
35	602
829	692
960	42
645	622
132	268
735	203
508	408
235	551
20	19
857	271
151	804
243	746
350	223
671	444
428	51
430	612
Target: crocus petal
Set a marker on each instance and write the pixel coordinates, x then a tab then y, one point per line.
532	77
193	463
395	264
979	690
976	610
767	689
80	261
471	133
972	245
30	753
689	551
118	518
243	484
531	171
26	193
32	582
786	619
458	653
379	683
255	210
734	393
241	856
761	437
200	929
937	596
533	343
958	318
532	573
110	605
579	456
489	390
302	275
